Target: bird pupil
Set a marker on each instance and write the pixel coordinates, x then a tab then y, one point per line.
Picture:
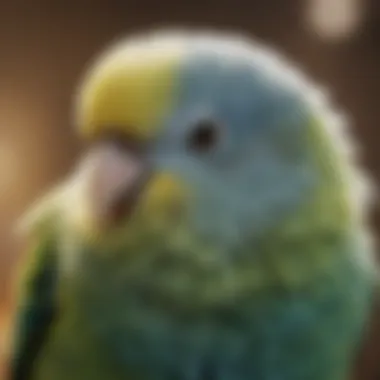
204	136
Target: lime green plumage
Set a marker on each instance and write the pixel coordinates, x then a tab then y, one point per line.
98	300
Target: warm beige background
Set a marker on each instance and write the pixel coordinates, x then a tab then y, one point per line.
44	48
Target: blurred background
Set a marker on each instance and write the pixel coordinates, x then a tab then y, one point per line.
45	47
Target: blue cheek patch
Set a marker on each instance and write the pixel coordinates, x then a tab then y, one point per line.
246	103
244	186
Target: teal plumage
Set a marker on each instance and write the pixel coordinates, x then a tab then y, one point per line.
253	263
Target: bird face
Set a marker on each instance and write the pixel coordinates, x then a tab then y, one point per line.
206	133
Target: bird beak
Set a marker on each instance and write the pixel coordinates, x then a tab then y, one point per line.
114	180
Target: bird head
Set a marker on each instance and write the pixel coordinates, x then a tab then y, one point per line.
209	136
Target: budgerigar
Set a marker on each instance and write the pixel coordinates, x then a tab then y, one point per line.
215	230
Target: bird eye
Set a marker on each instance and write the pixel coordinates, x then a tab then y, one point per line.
204	136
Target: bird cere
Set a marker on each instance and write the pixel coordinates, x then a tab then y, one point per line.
215	229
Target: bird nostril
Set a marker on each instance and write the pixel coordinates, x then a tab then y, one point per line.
121	140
